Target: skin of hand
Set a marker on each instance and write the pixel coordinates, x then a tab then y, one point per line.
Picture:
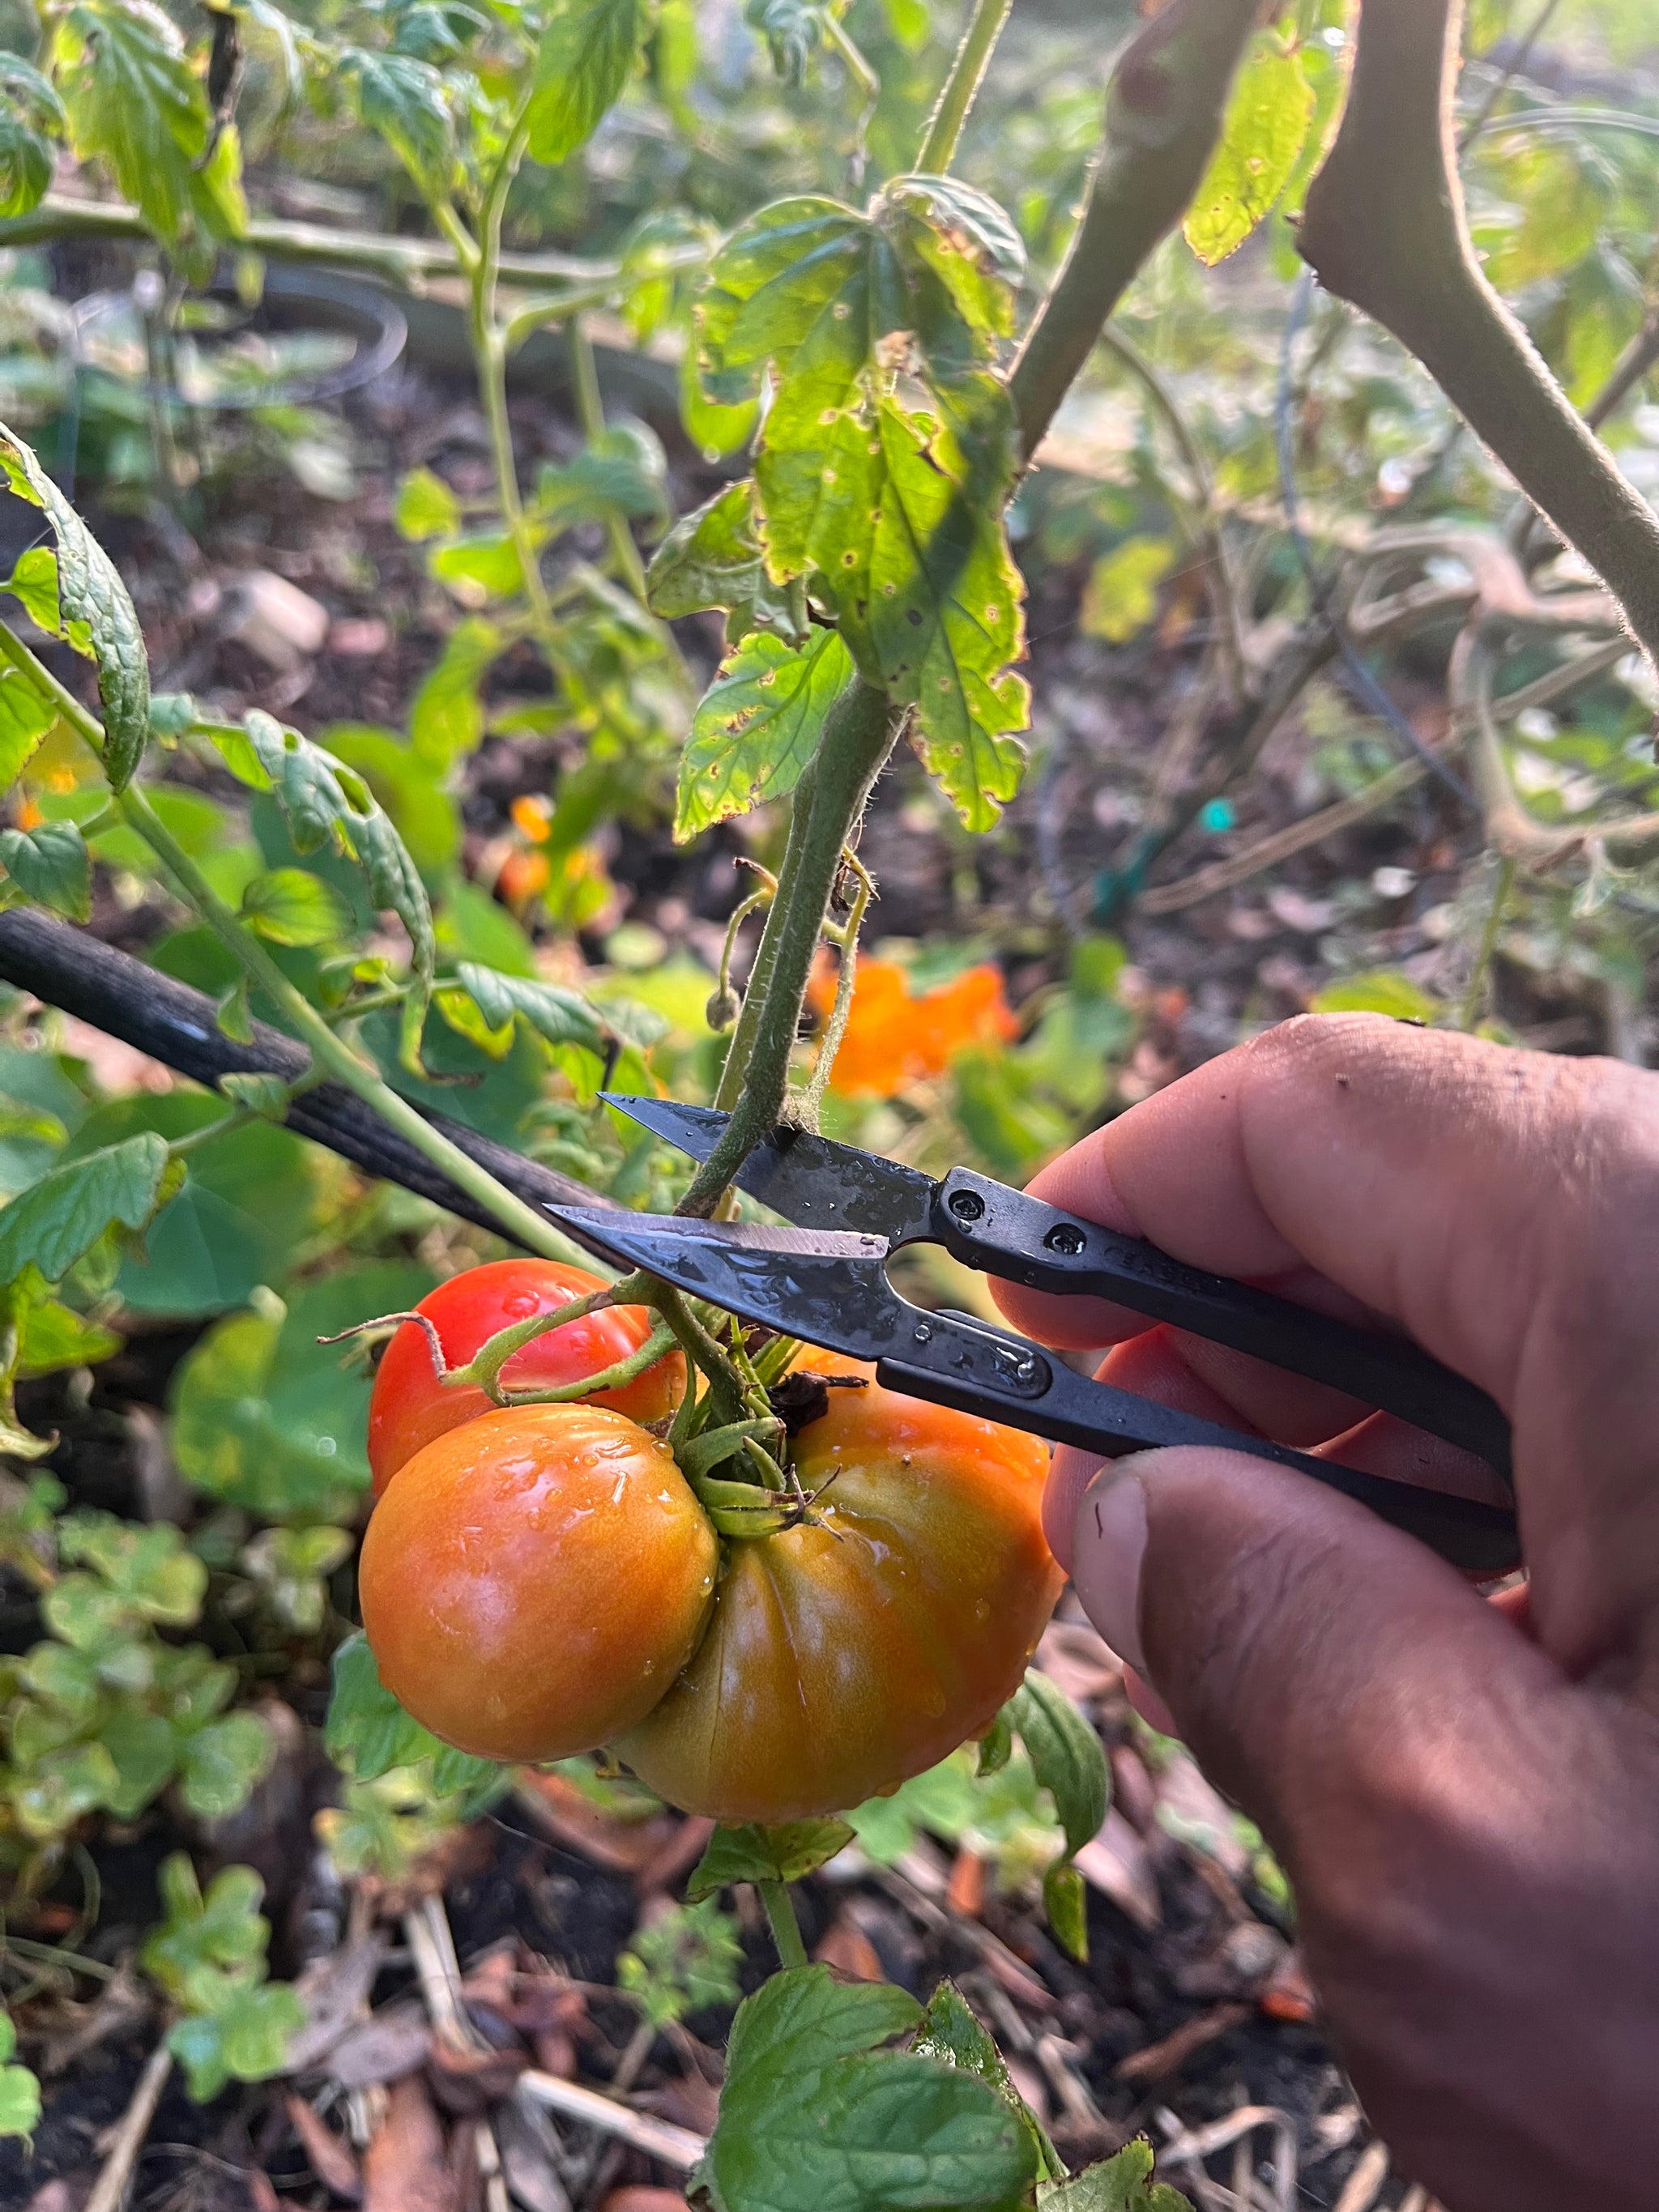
1464	1792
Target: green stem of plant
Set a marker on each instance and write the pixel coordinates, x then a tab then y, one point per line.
1468	1012
489	357
484	1368
1223	590
780	1917
961	87
617	1376
859	734
590	413
836	1027
740	1051
518	1220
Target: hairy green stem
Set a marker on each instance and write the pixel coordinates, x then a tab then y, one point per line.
741	1049
961	88
590	413
780	1917
841	1012
859	734
621	1372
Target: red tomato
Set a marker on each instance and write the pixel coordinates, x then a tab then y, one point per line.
531	1582
843	1657
410	1406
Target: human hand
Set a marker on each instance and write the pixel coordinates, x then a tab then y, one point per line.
1465	1794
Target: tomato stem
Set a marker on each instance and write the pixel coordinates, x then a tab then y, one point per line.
781	1916
656	1345
484	1368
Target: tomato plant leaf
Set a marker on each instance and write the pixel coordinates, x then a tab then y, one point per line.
949	2030
757	726
622	471
32	123
753	1853
812	2113
51	864
713	558
324	802
426	508
1267	117
135	102
1065	1902
901	526
584	62
25	715
291	905
369	1734
1123	2184
57	1220
446	715
403	102
1066	1754
96	616
966	240
560	1016
19	2089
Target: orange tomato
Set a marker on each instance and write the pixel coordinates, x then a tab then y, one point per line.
531	1582
859	1648
409	1406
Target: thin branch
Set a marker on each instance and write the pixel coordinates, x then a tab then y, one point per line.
961	88
109	2190
1164	112
659	2139
1222	587
1385	229
406	261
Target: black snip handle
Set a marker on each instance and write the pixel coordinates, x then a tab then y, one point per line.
112	992
954	1360
1002	1232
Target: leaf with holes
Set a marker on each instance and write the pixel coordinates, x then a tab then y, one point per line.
1266	124
712	558
584	62
32	124
96	616
903	530
758	727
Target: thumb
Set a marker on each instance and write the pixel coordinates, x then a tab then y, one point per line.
1311	1656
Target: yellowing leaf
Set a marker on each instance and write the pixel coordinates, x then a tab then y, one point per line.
1121	595
1267	119
758	727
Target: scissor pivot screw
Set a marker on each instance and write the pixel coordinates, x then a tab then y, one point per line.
1064	1237
966	1204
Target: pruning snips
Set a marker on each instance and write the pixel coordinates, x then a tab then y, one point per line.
823	1279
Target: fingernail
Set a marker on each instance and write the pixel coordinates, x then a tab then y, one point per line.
1109	1545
